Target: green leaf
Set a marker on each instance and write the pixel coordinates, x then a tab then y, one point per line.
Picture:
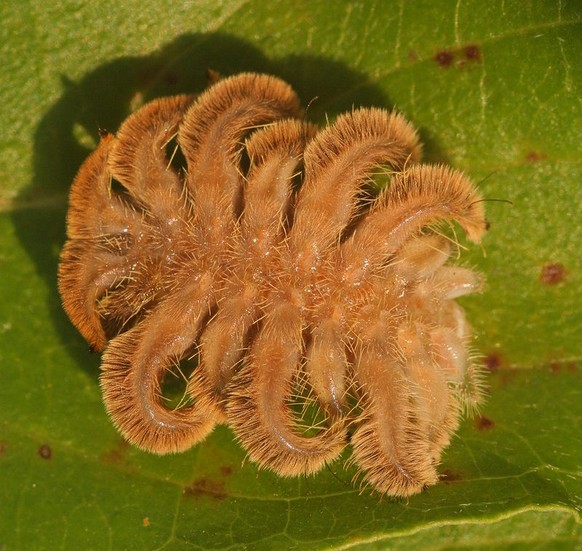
495	88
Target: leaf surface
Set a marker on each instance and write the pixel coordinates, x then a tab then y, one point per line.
495	88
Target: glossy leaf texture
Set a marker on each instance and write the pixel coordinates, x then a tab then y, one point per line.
495	89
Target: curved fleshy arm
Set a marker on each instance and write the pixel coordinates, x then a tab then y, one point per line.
139	162
437	410
93	260
211	138
391	444
428	287
88	277
134	366
337	164
259	402
419	196
326	362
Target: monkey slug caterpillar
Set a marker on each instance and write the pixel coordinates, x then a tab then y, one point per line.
317	313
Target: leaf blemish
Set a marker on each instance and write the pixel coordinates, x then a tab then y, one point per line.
552	273
558	367
117	454
226	470
484	423
472	53
535	156
492	361
449	477
461	59
45	451
444	58
205	487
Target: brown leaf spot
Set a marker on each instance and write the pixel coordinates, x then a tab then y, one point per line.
552	273
557	367
484	423
45	451
472	53
3	447
492	361
535	156
225	470
461	58
205	487
449	477
412	55
145	522
115	455
444	58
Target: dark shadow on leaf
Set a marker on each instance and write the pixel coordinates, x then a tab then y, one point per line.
106	96
433	151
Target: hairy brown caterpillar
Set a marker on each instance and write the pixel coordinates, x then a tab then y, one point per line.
316	310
